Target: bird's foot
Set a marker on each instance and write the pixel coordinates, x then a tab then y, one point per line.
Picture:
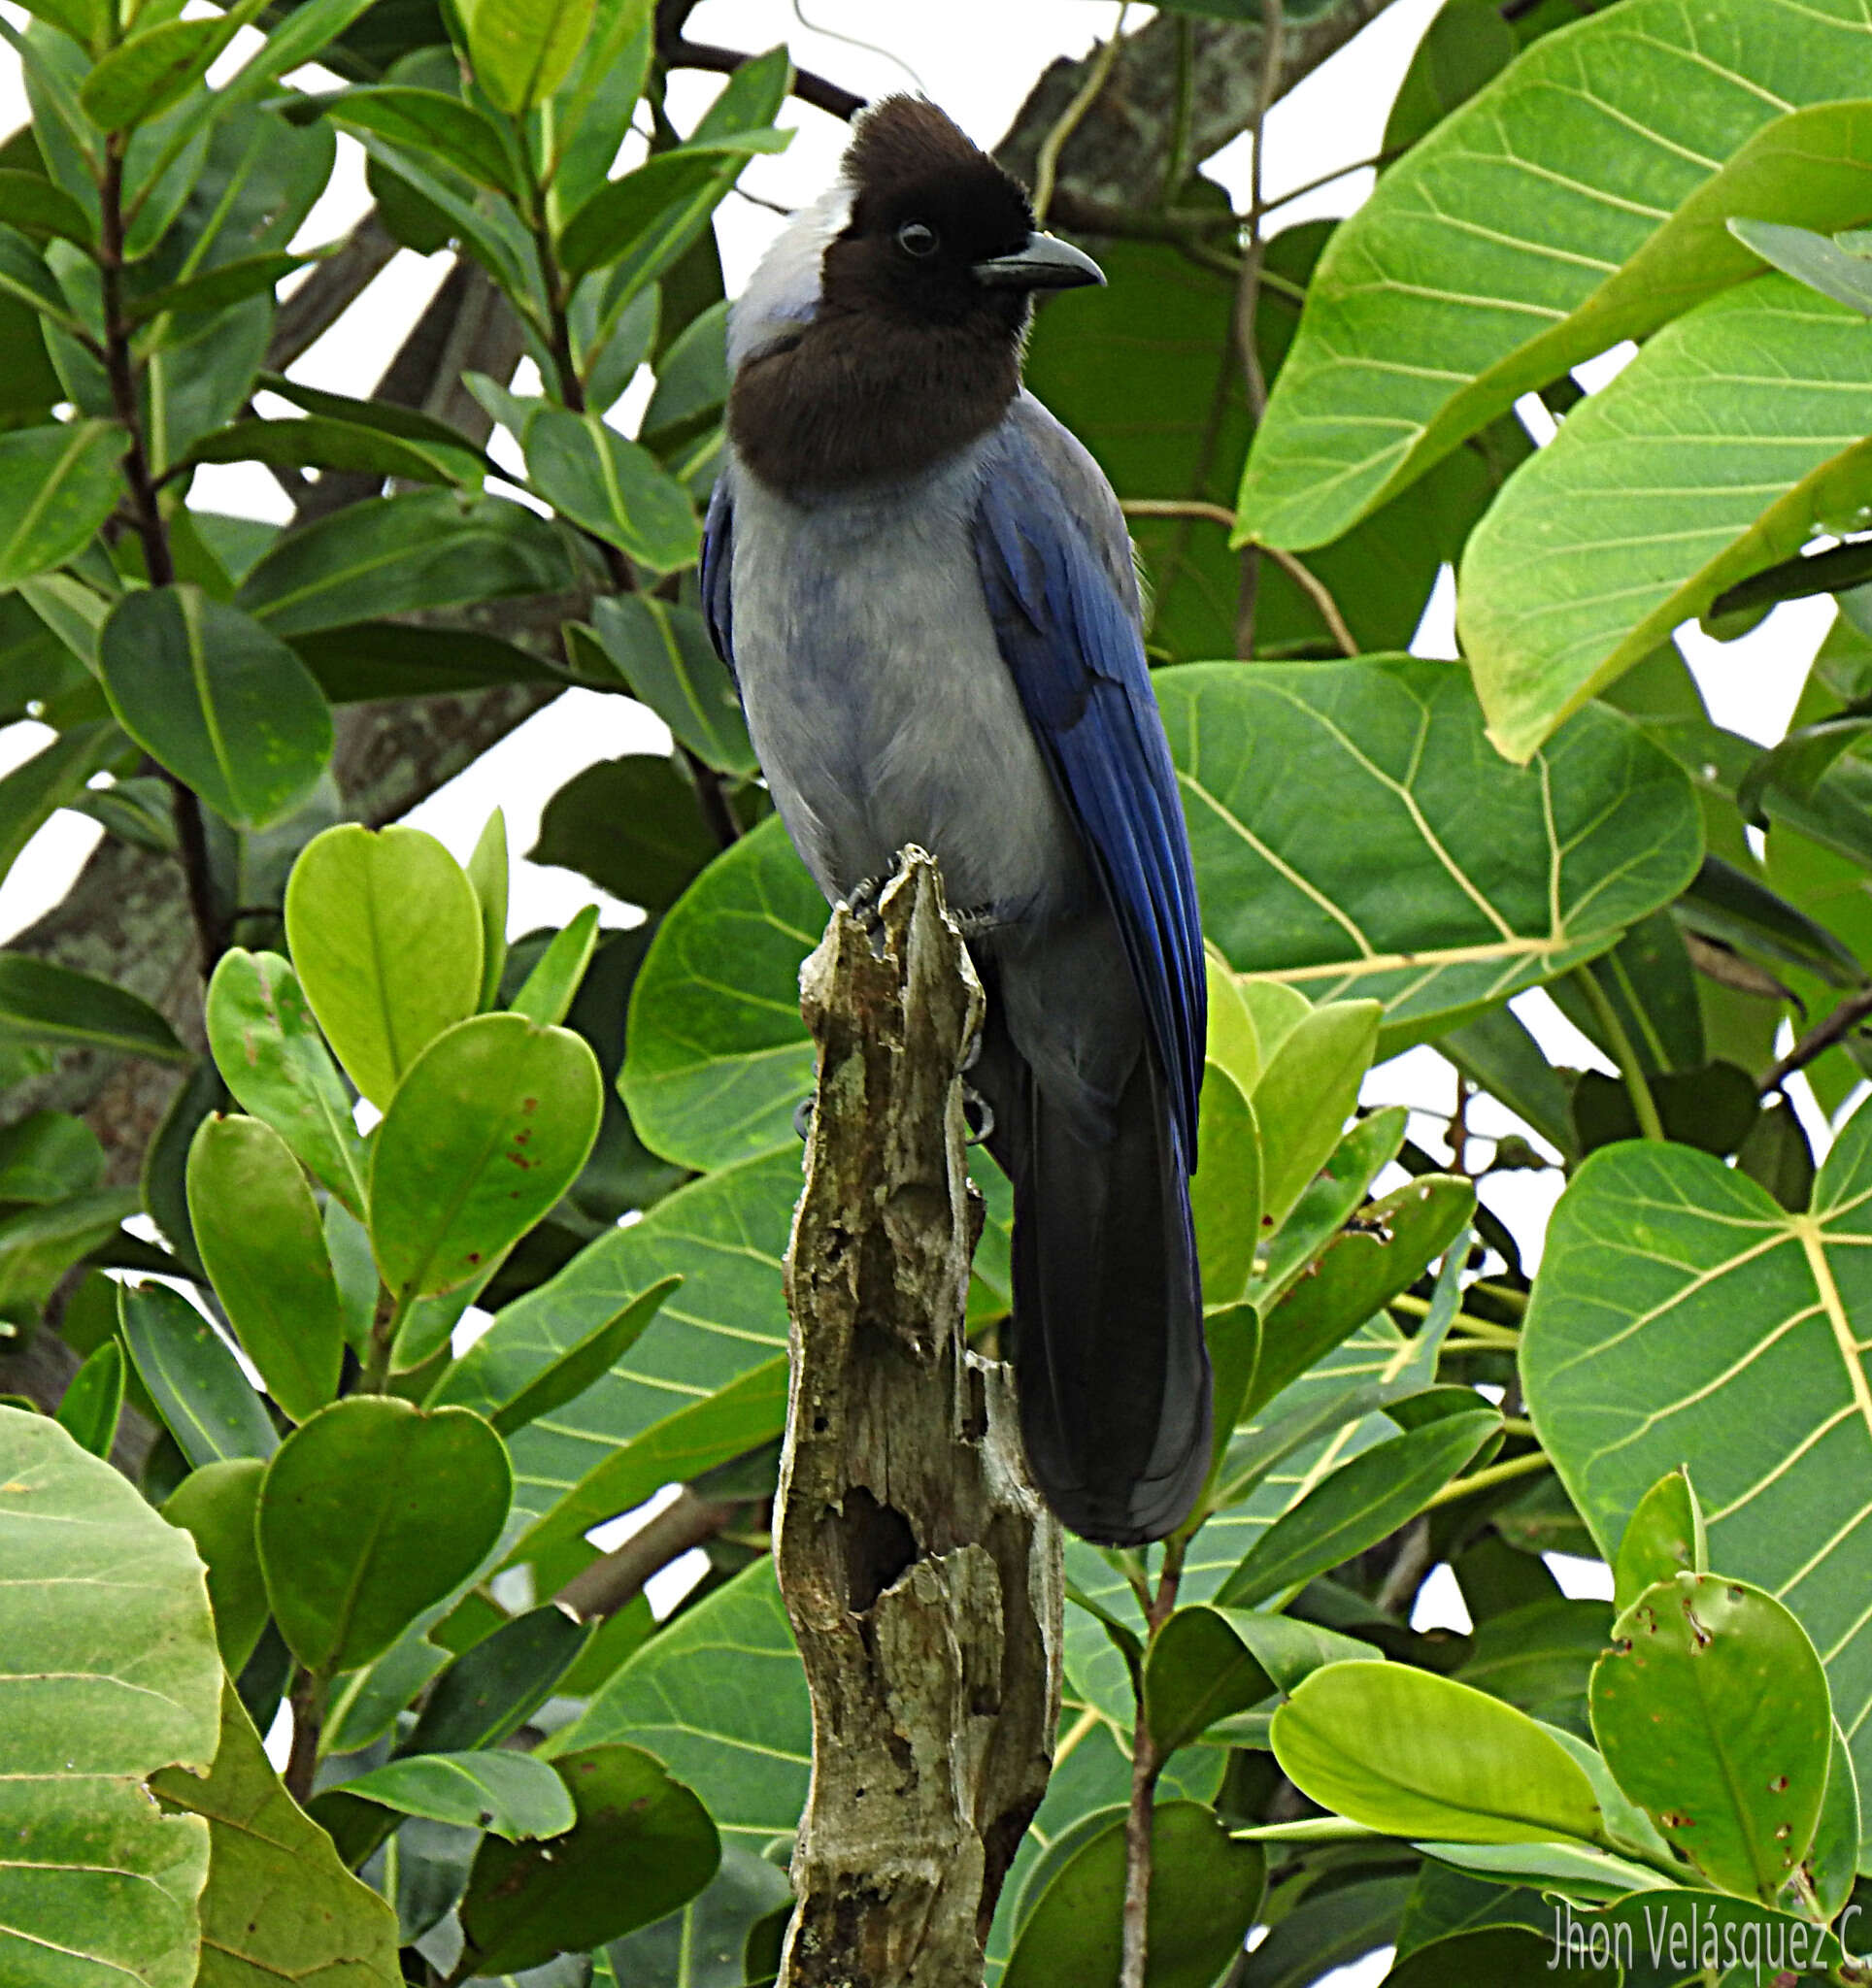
865	904
803	1117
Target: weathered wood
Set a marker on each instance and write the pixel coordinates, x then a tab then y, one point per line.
919	1569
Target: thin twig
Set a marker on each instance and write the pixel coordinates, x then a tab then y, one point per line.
612	1583
1248	298
1047	164
1318	592
1642	1105
308	1702
1146	1765
817	90
1822	1036
1179	506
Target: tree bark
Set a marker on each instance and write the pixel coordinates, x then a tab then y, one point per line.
919	1569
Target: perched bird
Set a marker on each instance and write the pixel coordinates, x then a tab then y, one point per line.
924	589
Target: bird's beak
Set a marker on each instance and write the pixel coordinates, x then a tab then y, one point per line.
1044	263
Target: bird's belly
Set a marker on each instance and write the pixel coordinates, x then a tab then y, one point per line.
882	709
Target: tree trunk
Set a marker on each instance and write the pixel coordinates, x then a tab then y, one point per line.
919	1569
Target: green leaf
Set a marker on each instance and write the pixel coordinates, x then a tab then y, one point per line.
43	1002
654	213
53	777
272	1057
365	660
110	1672
35	206
371	1512
495	1686
1205	1888
490	1126
261	1239
1412	1754
318	442
386	934
1305	1096
1665	1537
25	278
631	825
547	992
279	1905
1654	499
431	121
1199	1671
1337	1189
1579	199
708	1936
583	1366
509	1794
214	290
1361	1504
1225	1189
613	487
214	1505
1502	1957
152	71
1443	880
1539	1656
521	49
642	1846
226	707
1679	1312
1832	1863
718	1057
1822	264
57	485
194	1380
398	555
94	1398
664	654
47	1157
488	872
1712	1710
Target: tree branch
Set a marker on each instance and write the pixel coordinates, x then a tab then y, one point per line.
613	1583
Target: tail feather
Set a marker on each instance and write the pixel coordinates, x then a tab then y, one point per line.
1110	1357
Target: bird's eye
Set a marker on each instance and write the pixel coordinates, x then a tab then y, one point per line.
916	238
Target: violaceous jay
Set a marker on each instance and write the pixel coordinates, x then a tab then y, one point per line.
923	587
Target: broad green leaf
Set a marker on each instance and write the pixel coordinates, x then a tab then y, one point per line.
1207	1663
57	485
1656	496
110	1671
547	992
1417	1755
520	50
365	660
41	1002
707	1940
1579	199
25	278
395	555
1681	1313
662	650
371	1512
155	69
1822	264
94	1398
488	1127
586	1364
719	1698
1664	1537
1337	1189
509	1794
1832	1863
214	1505
261	1239
642	1846
594	106
429	120
192	1377
1364	1502
1205	1889
318	442
385	936
496	1685
1305	1096
35	206
279	1905
226	707
271	1056
1539	1656
1330	1926
53	777
1710	1709
1442	880
632	825
384	417
652	214
1225	1189
1507	1957
290	41
718	1057
612	486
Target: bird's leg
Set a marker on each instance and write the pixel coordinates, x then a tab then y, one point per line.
864	905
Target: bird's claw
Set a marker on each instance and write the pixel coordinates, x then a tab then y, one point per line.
978	1115
803	1117
866	907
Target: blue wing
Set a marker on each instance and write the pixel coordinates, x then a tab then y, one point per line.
1055	563
717	562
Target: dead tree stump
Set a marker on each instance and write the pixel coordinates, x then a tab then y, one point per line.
919	1569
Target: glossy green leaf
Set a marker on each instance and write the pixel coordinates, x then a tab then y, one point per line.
488	872
663	652
1503	1957
214	1505
1579	199
496	1685
546	994
718	1057
318	442
490	1126
1664	1537
260	1236
708	1939
642	1846
612	486
1655	498
1204	1891
509	1794
227	708
279	1905
36	205
1417	1755
110	1672
192	1377
1331	1197
94	1398
1442	880
1361	1504
57	485
271	1056
41	1002
1225	1189
385	936
1816	260
1710	1709
149	73
521	49
1832	1862
653	213
584	1365
214	290
632	825
53	777
1306	1094
1539	1656
431	121
371	1512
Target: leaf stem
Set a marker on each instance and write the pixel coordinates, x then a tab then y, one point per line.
1047	164
1495	1473
1643	1104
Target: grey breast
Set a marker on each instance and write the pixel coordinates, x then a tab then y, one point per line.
878	699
